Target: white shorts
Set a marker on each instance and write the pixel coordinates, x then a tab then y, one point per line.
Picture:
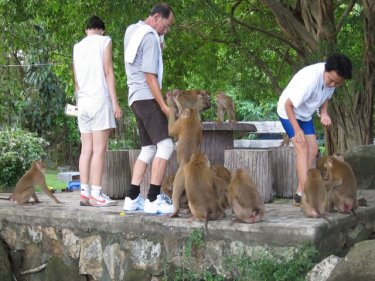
95	114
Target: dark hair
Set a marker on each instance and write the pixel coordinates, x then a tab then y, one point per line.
341	64
95	23
163	9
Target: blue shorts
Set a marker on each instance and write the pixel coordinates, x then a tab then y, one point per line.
306	126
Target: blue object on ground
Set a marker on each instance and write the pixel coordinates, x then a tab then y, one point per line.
74	185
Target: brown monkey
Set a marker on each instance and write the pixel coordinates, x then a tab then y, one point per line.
25	186
320	163
314	198
341	186
245	199
188	132
286	141
225	104
199	99
222	172
167	188
221	191
198	181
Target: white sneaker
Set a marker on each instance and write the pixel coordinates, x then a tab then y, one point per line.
102	200
159	206
133	205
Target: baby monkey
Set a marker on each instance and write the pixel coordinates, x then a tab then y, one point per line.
25	187
314	198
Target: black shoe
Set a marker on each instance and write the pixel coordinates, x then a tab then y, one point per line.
297	199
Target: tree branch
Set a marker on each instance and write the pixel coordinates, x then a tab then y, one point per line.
345	15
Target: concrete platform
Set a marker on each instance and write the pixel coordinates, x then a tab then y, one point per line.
102	243
283	224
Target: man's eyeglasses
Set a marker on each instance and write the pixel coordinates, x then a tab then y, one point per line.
166	26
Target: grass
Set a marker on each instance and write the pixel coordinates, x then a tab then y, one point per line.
53	182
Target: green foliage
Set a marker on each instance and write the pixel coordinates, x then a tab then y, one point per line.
19	149
265	267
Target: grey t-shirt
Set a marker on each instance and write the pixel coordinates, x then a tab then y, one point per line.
146	60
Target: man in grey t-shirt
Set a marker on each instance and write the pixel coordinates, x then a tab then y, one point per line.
144	71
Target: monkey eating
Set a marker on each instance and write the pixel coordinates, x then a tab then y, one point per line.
25	187
314	197
245	198
225	104
341	186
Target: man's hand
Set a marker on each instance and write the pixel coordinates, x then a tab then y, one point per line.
325	119
299	136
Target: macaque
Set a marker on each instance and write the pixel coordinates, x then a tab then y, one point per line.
188	132
198	181
341	186
221	191
314	198
198	99
286	141
225	104
167	188
244	198
222	172
320	163
25	186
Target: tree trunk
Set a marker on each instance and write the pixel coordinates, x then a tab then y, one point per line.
352	112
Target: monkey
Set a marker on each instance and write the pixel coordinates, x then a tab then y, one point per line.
221	191
199	182
222	172
25	186
198	179
314	197
320	162
285	142
341	186
198	99
188	131
244	198
167	188
225	104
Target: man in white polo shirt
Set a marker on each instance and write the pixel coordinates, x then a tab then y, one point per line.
309	90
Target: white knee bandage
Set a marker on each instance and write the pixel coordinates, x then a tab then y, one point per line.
164	149
147	153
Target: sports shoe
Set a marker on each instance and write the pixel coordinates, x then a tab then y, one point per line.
133	205
102	200
84	200
159	206
297	199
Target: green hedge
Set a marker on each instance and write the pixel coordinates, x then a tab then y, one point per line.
19	149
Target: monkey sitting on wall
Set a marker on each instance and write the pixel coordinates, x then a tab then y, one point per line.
25	187
197	180
341	186
314	197
244	198
225	104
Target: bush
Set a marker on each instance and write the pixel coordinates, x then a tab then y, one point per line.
19	149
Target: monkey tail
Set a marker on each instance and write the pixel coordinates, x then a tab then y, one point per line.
324	216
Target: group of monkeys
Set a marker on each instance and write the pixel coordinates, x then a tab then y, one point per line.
207	191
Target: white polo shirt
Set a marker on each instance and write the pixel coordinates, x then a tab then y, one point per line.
306	91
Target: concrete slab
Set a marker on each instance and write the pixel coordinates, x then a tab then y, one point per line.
283	225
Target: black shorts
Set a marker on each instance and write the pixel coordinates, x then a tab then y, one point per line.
152	122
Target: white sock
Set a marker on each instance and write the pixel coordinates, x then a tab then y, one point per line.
85	189
299	193
95	190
